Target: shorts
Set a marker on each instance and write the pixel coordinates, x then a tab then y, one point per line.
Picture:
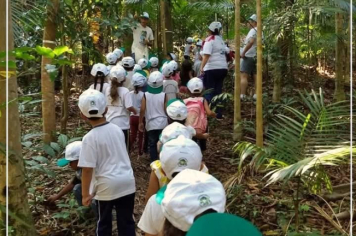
248	65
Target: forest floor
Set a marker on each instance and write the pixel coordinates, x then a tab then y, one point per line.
270	208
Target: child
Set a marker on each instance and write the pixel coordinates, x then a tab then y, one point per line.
145	65
171	57
111	58
154	64
175	75
99	71
177	113
198	108
152	108
128	63
137	67
185	75
119	103
188	48
190	195
197	49
170	86
107	175
197	64
72	153
177	155
119	54
138	82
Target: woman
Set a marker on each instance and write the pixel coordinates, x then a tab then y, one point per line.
214	64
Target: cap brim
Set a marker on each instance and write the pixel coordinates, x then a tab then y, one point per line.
222	224
62	162
154	90
144	17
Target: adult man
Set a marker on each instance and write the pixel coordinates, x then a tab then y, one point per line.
248	56
142	38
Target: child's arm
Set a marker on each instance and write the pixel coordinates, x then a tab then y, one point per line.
142	114
132	109
207	109
153	186
87	174
165	103
68	188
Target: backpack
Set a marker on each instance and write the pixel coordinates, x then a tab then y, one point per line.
196	114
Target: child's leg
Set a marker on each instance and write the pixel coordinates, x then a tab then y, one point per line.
140	142
104	224
153	137
133	130
124	210
77	191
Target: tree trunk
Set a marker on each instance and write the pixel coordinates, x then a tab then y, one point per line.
259	115
64	117
347	54
127	39
339	94
17	189
163	27
237	100
169	25
47	85
277	82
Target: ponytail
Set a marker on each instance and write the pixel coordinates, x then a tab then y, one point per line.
114	93
136	89
100	76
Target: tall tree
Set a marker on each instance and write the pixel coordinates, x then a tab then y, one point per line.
339	63
169	25
163	26
17	195
47	85
259	115
237	100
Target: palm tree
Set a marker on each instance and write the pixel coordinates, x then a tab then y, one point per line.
47	85
19	211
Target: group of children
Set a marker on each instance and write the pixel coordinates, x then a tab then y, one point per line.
129	100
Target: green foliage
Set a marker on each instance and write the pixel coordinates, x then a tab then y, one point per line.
302	144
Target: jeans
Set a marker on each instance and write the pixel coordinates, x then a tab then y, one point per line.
77	191
214	79
153	138
134	123
124	207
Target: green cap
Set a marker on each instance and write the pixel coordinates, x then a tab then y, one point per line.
222	224
122	49
154	90
62	162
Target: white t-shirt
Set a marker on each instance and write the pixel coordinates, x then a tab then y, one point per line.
187	49
104	150
105	87
156	117
216	49
152	219
127	83
140	34
196	52
252	52
196	68
170	88
117	110
136	101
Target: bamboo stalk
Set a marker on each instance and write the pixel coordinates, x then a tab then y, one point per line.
237	102
259	115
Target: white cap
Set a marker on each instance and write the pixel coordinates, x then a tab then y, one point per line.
128	62
72	151
195	85
145	15
119	73
167	70
189	194
174	65
99	67
143	62
180	154
174	57
176	109
111	58
190	40
253	17
137	67
92	103
138	80
215	25
155	79
199	42
176	129
118	53
154	61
